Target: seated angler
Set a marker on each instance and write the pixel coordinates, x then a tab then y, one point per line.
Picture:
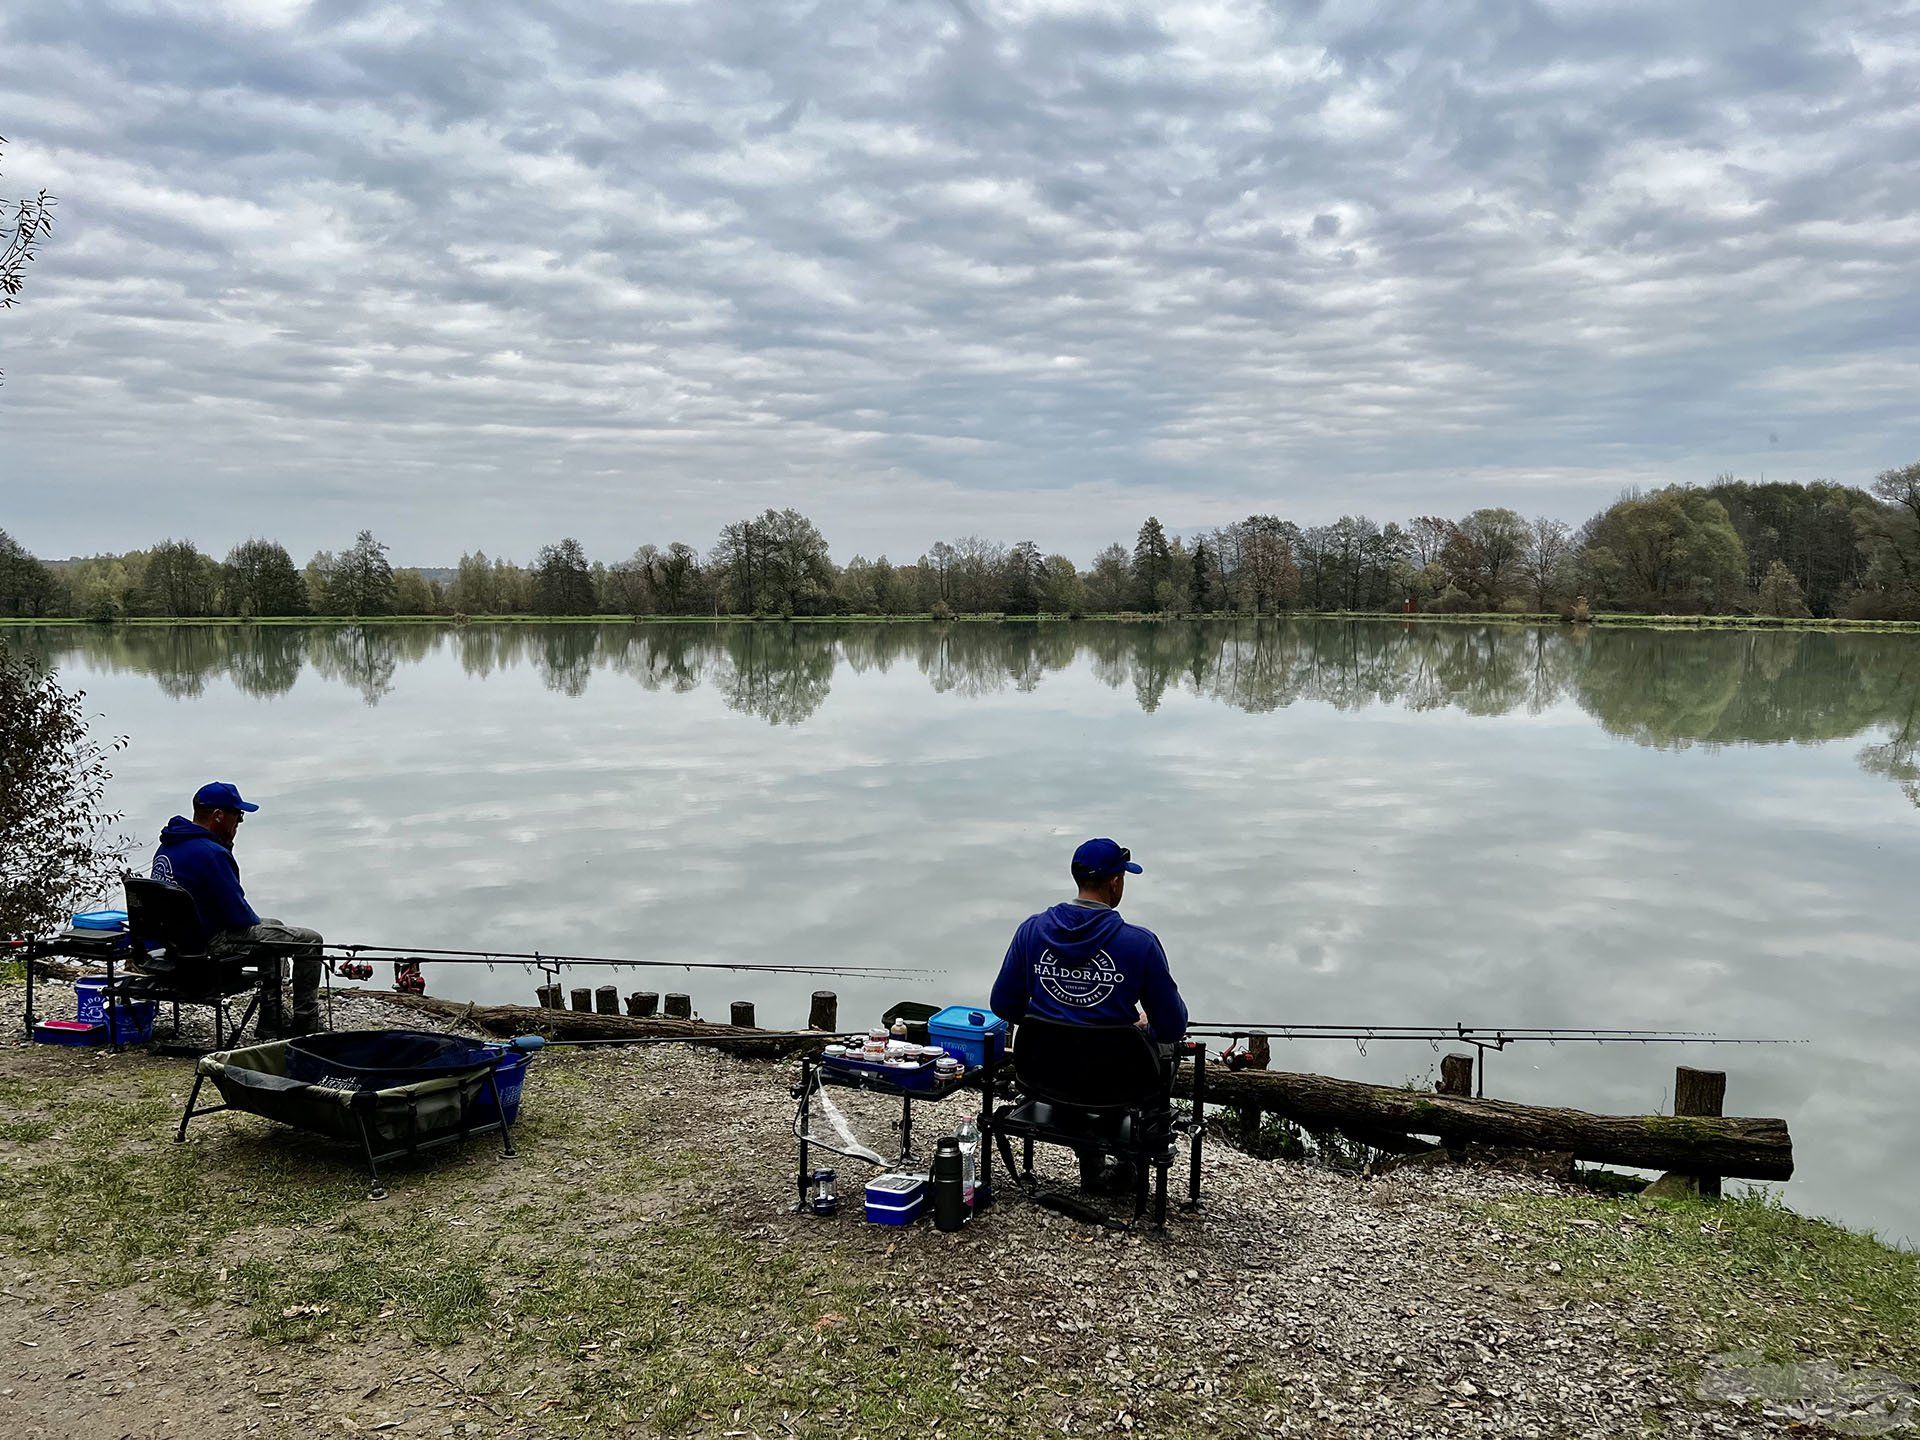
197	855
1079	963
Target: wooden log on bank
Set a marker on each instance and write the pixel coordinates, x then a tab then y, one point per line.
1752	1148
507	1021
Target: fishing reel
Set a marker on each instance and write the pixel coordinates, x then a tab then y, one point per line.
354	969
407	979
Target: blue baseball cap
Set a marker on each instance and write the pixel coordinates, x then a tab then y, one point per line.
1101	858
220	796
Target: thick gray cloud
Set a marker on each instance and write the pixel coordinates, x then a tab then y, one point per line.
482	274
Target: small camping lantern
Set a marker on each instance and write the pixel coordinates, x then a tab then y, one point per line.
823	1196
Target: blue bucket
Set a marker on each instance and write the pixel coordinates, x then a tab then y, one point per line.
510	1076
90	999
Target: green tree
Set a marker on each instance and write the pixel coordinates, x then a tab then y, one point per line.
1204	589
1061	588
1483	555
260	579
414	593
1813	529
799	570
1024	579
180	580
1152	565
1891	534
1779	593
678	581
1674	550
740	560
562	580
361	580
26	586
54	846
475	591
1109	583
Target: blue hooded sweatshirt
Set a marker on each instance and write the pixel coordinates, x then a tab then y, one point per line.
1083	965
191	858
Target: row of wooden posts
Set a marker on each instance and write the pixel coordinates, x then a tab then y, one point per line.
822	1014
1695	1092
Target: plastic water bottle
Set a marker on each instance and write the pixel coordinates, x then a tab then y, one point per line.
969	1137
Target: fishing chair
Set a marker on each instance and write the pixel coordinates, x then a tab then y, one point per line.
163	918
1100	1090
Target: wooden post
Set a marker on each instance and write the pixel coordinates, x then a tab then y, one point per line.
1700	1092
679	1007
549	997
825	1011
649	1002
607	1000
743	1013
583	999
1456	1075
633	1004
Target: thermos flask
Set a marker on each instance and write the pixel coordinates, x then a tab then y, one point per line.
949	1198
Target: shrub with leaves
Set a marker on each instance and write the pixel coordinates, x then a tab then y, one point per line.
55	847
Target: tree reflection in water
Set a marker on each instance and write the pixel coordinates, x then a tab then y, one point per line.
1668	689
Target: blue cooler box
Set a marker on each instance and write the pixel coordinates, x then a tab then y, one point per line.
896	1199
964	1032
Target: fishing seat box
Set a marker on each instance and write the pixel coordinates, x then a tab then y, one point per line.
965	1032
896	1199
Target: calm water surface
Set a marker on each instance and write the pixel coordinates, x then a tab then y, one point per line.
1365	822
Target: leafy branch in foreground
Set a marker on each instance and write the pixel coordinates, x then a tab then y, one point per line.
54	845
20	242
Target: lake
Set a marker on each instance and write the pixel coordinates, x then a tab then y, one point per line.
1343	822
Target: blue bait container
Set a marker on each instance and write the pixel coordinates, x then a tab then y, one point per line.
100	920
965	1032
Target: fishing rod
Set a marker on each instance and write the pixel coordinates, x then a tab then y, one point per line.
1493	1037
1481	1038
552	963
757	1037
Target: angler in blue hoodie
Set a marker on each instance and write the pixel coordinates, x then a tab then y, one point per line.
1079	963
197	855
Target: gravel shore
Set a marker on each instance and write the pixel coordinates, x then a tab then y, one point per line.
638	1269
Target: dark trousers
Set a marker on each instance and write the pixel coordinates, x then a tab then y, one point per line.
277	947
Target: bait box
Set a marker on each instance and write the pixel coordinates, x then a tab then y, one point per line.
896	1199
100	920
132	1024
965	1032
70	1032
921	1076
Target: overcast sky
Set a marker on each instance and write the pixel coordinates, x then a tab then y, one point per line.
479	274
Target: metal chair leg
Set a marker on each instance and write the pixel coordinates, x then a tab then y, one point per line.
180	1138
379	1191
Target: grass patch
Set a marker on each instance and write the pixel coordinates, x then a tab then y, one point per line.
1745	1273
616	1303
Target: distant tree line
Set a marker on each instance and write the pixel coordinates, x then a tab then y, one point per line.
1732	547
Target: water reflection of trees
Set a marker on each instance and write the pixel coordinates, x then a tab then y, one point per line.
1661	688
